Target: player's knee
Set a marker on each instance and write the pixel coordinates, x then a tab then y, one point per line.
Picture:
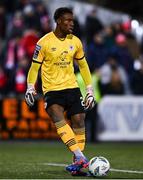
56	117
56	112
78	121
79	124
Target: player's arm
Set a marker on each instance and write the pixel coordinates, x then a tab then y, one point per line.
32	75
85	72
31	80
86	75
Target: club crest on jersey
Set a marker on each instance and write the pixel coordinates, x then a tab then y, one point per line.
71	47
36	51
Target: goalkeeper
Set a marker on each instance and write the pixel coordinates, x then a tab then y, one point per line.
55	53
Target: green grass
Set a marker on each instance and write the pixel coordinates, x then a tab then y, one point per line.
26	160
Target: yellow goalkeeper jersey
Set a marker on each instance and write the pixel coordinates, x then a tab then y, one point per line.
56	57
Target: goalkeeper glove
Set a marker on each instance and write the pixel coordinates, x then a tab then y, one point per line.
30	95
89	99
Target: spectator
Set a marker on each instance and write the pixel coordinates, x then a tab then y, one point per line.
15	26
13	52
109	39
92	25
28	42
44	18
97	52
12	59
31	18
113	78
122	54
133	46
132	43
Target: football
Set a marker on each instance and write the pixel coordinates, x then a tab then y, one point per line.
99	166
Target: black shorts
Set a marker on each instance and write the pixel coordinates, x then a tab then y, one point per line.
70	99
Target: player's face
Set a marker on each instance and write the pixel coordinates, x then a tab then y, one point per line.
66	23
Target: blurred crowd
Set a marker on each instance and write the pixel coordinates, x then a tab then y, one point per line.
113	53
114	56
22	23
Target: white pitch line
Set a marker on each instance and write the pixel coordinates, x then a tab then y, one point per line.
64	165
126	171
55	164
113	170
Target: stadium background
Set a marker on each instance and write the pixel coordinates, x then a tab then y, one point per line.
113	42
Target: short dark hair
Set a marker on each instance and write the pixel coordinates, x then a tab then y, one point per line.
60	11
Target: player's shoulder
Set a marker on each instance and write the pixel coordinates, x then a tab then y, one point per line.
74	38
45	38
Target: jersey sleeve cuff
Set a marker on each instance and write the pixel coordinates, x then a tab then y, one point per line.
79	58
36	62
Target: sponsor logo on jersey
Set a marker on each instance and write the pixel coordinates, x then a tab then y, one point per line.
63	55
53	49
62	60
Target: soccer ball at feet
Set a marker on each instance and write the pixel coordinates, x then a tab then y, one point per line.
99	166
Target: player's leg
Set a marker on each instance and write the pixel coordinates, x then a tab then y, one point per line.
78	126
56	112
77	115
55	102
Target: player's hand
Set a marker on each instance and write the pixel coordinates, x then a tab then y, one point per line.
30	96
89	99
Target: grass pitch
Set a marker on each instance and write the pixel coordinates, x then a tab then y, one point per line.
30	160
